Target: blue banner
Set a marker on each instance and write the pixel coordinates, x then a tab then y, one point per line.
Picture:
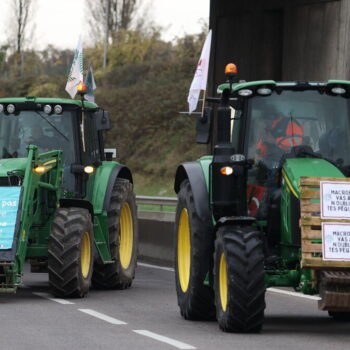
9	203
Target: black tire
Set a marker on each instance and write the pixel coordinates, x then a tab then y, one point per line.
120	274
239	279
340	316
195	299
71	252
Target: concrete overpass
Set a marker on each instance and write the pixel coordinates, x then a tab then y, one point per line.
280	39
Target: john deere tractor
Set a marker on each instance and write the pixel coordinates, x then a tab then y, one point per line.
66	207
248	216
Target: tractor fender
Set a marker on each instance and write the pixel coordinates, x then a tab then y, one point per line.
120	171
78	203
194	173
104	180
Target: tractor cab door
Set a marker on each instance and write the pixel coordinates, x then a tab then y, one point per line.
91	149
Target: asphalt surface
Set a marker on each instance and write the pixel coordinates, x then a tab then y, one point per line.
147	317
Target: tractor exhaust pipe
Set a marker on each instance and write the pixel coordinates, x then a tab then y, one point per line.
224	124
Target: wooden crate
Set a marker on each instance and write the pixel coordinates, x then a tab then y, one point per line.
311	224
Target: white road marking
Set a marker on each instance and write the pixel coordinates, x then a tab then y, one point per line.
156	267
161	338
102	316
49	297
294	294
274	290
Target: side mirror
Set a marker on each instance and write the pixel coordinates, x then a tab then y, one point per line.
203	126
110	153
102	120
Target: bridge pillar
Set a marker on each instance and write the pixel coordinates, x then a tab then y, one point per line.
281	40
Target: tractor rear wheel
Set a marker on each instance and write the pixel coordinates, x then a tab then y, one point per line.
123	240
239	279
70	252
194	246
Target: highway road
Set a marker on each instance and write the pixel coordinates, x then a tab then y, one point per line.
147	317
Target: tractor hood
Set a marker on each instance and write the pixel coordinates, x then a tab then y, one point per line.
12	164
294	168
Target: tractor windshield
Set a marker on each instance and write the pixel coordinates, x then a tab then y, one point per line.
289	124
34	127
281	122
47	132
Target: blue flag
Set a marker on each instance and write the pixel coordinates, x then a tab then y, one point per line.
91	85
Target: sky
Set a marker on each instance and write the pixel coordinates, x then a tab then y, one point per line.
61	22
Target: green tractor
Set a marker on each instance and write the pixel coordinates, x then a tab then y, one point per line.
66	207
248	216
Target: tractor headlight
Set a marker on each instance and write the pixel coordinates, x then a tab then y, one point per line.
264	91
89	169
39	169
58	109
245	92
47	109
1	108
338	90
226	170
10	108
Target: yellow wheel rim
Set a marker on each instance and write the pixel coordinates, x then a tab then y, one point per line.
184	250
126	237
223	282
85	259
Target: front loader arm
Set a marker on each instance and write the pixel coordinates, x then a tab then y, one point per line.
42	171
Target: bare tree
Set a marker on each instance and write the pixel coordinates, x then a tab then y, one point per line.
20	30
107	17
22	14
110	16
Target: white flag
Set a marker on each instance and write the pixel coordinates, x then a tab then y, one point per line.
76	71
199	81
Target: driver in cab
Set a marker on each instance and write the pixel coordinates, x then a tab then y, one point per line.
279	136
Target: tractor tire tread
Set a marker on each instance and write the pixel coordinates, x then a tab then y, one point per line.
114	276
246	288
63	252
198	302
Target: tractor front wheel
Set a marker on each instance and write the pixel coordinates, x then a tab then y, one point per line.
239	279
194	246
70	252
123	240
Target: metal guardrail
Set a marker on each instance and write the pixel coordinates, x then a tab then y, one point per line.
156	229
161	201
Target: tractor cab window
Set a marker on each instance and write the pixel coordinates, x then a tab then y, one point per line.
280	124
92	150
47	132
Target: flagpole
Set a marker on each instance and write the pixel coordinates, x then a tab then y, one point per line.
203	105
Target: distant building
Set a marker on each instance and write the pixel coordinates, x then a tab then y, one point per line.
281	39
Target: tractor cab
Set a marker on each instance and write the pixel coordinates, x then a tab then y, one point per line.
293	120
262	126
51	124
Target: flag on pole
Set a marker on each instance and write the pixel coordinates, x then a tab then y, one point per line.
199	81
91	85
76	71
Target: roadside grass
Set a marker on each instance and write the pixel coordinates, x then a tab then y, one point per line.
161	188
